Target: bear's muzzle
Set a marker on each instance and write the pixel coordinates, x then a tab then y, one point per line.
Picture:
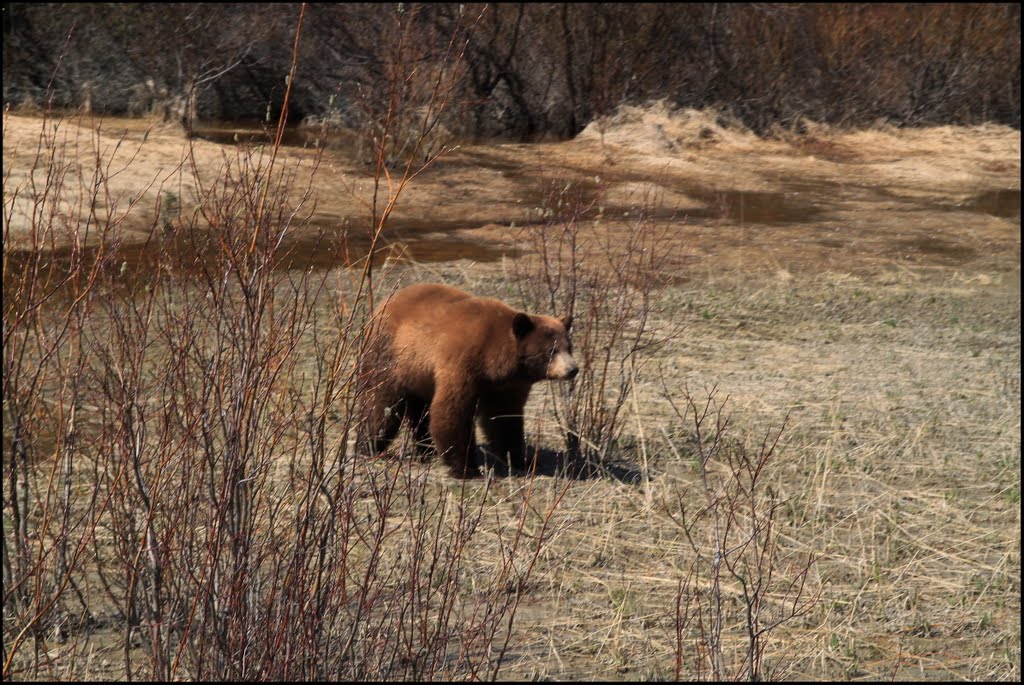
562	367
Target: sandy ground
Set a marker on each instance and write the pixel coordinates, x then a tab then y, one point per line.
823	200
864	283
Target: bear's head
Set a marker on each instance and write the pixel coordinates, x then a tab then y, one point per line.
544	347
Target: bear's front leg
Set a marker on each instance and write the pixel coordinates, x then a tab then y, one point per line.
501	418
451	427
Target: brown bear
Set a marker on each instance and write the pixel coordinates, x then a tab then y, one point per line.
439	357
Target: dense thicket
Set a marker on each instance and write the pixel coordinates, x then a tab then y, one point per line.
527	69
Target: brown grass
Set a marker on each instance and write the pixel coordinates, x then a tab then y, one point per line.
895	359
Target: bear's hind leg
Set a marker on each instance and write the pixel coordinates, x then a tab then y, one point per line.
419	424
380	420
451	426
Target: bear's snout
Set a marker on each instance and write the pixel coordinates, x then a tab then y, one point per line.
562	367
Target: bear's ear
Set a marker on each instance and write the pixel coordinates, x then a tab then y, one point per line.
522	324
567	322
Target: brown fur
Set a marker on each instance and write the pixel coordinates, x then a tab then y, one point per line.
439	357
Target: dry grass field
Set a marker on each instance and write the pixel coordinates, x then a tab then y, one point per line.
845	305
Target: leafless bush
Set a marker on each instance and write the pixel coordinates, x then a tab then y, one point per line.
48	297
739	589
539	68
608	276
178	475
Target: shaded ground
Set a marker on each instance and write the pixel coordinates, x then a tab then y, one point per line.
866	284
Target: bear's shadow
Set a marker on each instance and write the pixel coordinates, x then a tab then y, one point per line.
556	463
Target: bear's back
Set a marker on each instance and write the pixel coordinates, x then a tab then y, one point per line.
442	308
432	326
